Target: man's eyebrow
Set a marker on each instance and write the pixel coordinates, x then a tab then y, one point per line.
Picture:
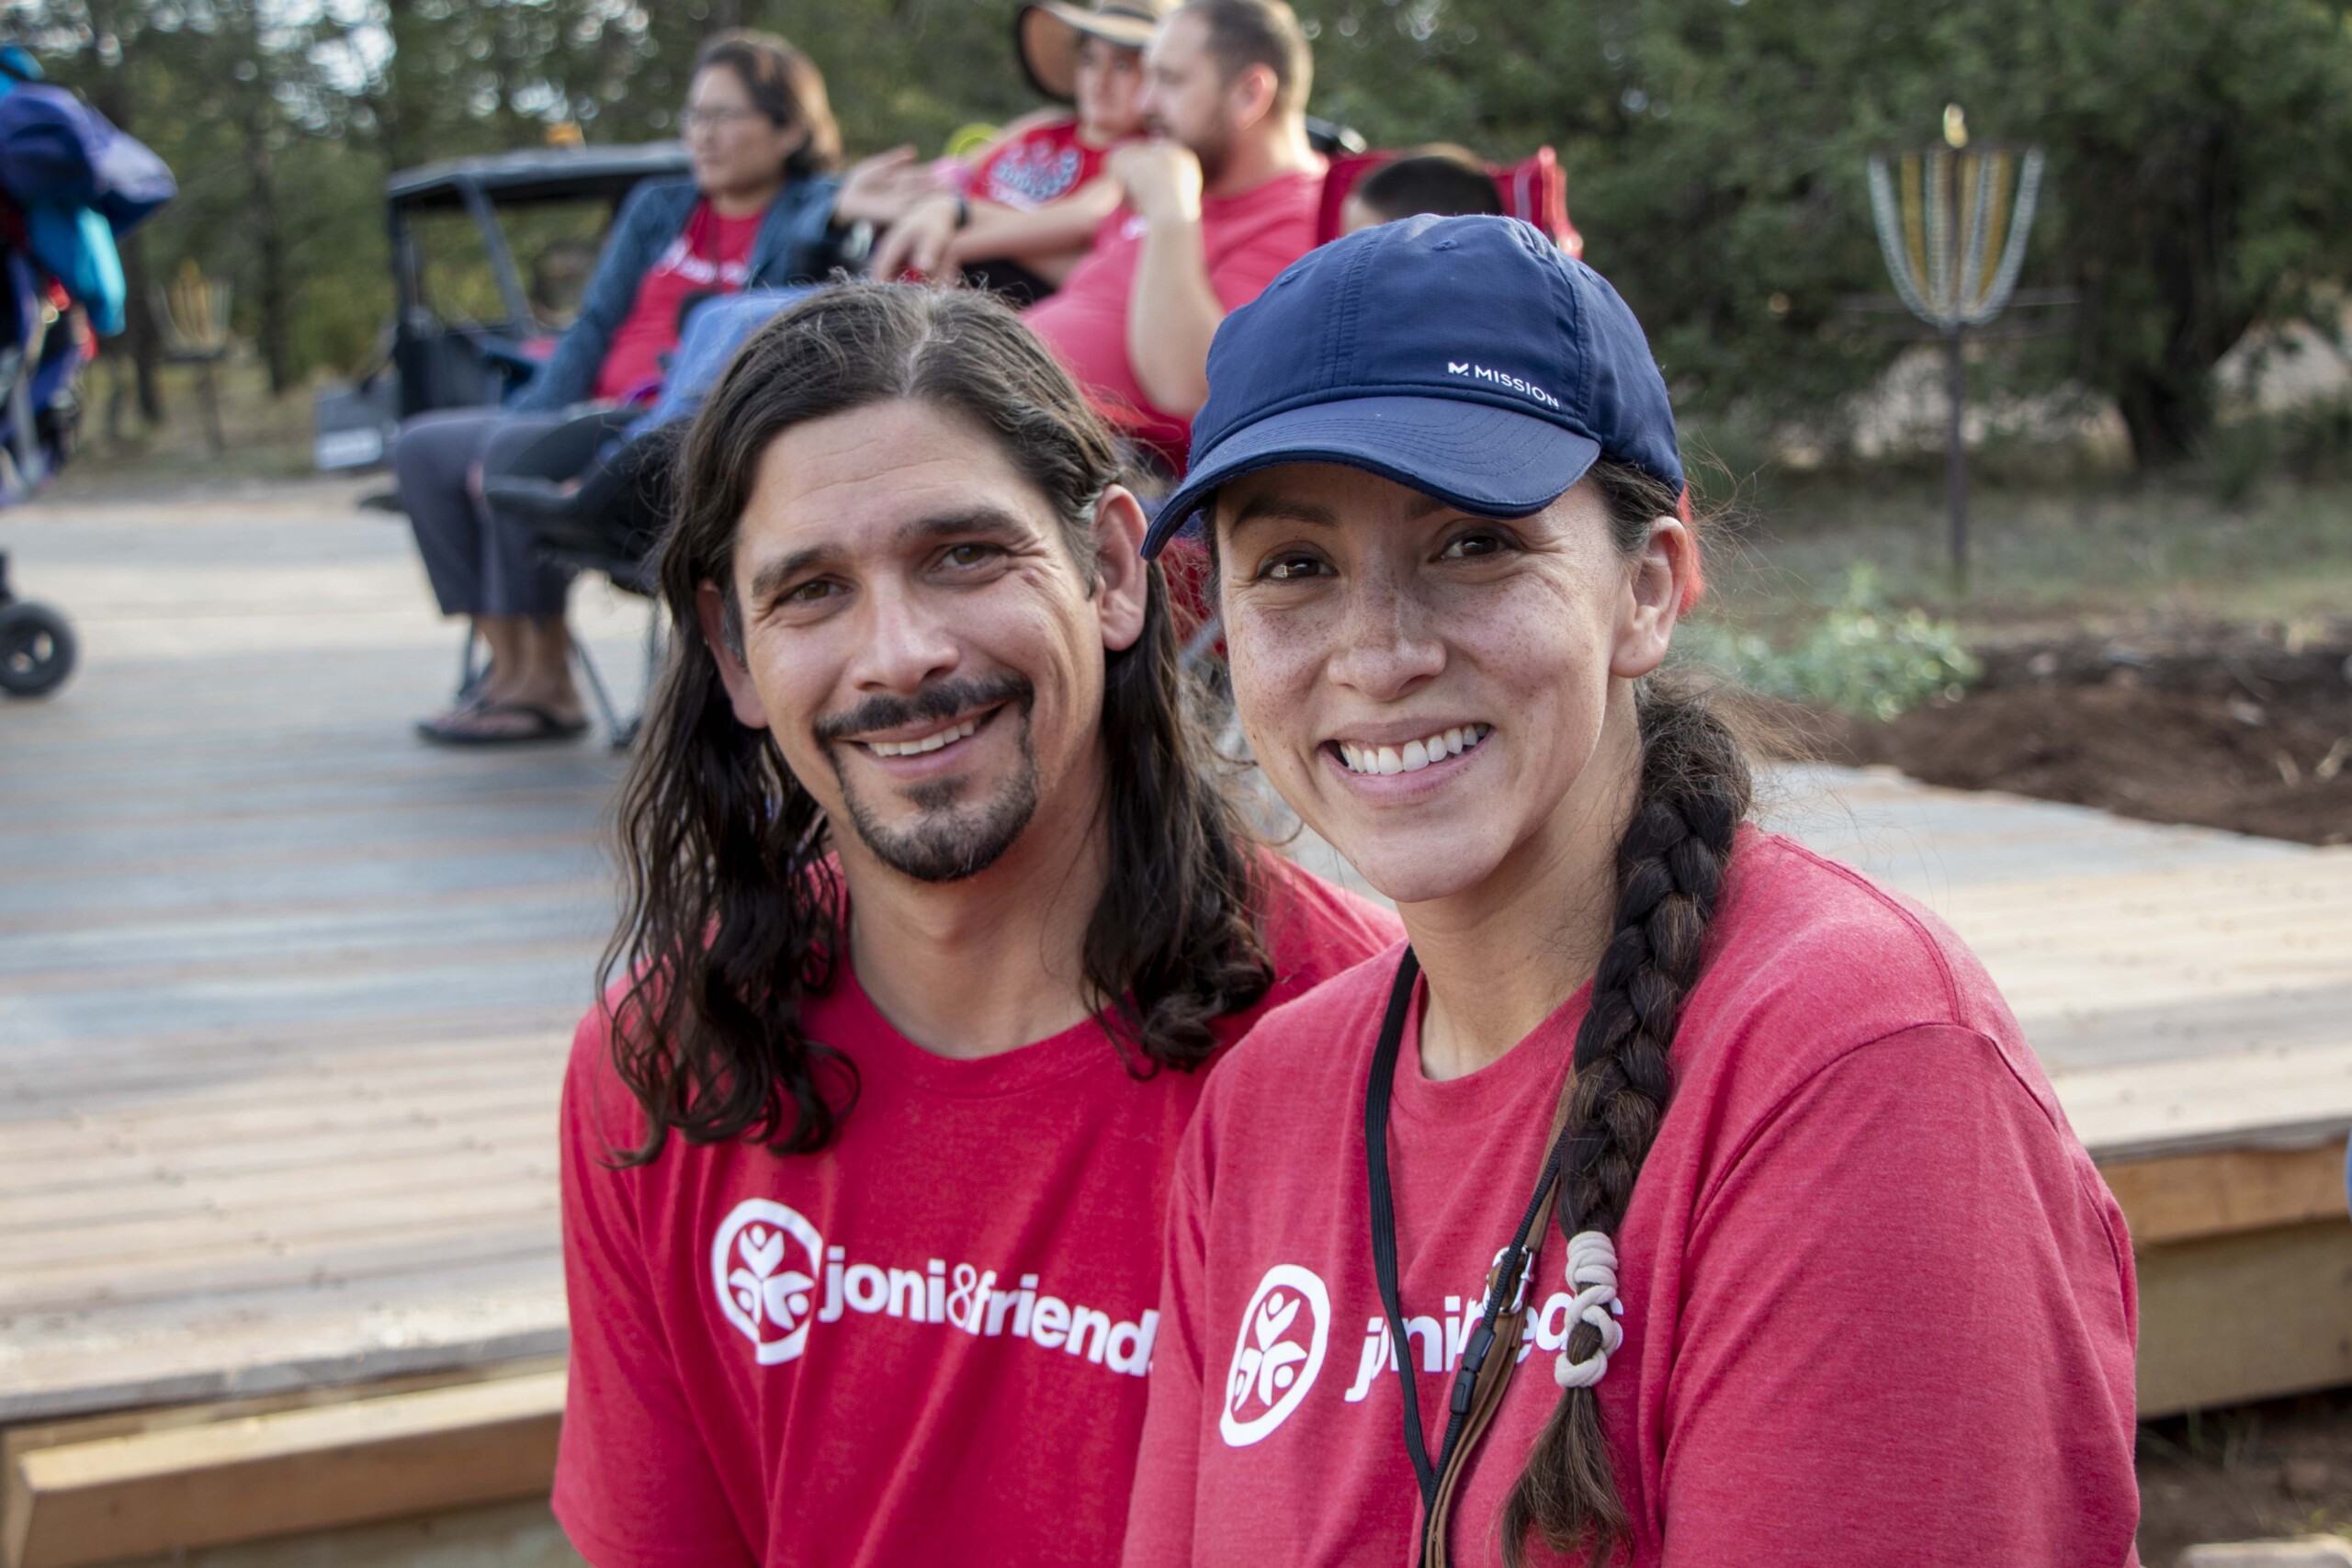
989	522
773	575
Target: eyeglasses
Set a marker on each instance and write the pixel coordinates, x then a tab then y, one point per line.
691	119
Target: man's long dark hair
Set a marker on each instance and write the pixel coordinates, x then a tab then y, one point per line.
734	916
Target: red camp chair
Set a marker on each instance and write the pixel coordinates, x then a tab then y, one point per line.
1534	188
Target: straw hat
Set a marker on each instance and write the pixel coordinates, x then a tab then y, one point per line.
1046	35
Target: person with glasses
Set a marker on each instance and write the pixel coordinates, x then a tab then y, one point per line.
762	209
1671	1195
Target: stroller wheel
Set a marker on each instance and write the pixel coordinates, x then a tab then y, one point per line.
36	650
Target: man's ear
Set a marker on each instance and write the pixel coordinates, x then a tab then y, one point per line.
1252	91
1121	576
710	609
1667	565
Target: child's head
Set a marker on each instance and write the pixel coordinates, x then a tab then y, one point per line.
1090	55
1442	179
1110	90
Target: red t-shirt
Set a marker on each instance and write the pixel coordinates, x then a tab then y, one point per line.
711	256
1878	1304
1247	239
926	1344
1042	164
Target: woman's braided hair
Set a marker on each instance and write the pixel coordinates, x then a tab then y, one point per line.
1695	789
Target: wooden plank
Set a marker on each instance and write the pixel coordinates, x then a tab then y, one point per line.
2290	1099
349	1122
134	1241
2231	1318
427	1245
421	1142
274	1474
96	919
98	1095
271	1192
2216	1193
456	1312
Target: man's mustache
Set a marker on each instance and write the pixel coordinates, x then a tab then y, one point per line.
942	700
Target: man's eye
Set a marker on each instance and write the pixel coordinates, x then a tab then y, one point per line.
968	555
1290	568
809	593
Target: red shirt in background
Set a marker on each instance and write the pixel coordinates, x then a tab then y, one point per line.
1878	1304
925	1345
711	256
1247	239
1042	164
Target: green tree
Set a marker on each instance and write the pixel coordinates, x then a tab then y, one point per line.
1716	147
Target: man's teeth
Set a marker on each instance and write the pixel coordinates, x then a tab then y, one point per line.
931	742
1414	755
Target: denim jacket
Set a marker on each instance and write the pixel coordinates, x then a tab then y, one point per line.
795	244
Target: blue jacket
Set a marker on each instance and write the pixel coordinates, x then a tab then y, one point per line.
795	244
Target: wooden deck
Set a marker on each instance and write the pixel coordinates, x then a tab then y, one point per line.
285	994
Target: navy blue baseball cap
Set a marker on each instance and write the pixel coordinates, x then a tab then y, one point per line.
1466	358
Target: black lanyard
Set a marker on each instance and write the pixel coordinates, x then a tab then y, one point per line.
1510	1268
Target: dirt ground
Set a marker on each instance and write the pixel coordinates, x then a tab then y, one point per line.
2228	729
2255	1473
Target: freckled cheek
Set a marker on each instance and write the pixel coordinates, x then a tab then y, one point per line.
1275	663
1544	666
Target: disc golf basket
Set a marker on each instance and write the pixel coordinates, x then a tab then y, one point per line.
192	320
1952	221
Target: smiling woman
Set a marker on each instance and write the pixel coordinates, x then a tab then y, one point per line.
1778	1118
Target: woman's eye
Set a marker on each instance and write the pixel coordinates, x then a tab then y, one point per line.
1462	546
1290	568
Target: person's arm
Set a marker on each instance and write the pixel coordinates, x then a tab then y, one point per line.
1162	1507
639	231
1173	311
1904	1330
928	241
1041	234
635	1486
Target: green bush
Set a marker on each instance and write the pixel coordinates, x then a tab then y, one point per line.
1864	658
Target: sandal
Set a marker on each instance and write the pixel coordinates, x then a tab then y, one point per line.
456	727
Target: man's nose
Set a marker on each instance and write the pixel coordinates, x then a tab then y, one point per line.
905	644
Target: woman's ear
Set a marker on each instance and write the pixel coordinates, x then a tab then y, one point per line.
1662	574
1121	576
710	610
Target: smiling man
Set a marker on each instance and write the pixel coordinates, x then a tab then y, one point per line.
1221	197
936	915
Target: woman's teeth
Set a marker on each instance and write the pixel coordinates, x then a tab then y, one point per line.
1414	755
931	742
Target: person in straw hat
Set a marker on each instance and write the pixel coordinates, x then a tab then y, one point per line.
1020	218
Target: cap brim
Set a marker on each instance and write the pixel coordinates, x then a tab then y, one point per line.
1488	460
1045	37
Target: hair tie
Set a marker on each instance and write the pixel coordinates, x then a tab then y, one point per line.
1592	1274
1696	589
